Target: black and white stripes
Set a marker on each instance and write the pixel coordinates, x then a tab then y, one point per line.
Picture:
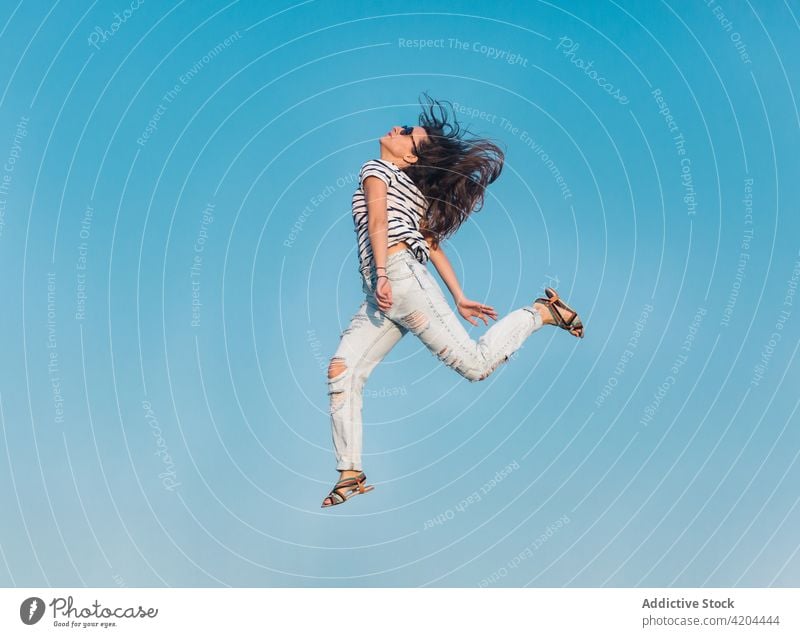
405	206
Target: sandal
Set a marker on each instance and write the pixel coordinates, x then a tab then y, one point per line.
572	324
352	486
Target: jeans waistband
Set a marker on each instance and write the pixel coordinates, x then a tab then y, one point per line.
400	255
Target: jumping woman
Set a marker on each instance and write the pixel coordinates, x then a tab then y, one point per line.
428	180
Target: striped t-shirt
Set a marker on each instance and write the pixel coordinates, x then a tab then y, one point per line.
405	206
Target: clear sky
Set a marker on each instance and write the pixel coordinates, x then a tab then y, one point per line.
179	260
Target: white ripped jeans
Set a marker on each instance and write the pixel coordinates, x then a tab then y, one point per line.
417	305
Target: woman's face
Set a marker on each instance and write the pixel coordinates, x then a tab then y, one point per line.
402	146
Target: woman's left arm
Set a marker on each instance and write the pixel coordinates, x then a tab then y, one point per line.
445	270
466	307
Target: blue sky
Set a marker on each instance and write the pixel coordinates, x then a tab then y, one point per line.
180	261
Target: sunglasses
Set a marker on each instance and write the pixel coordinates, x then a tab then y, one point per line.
407	130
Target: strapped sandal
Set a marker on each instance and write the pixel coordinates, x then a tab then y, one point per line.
572	323
353	485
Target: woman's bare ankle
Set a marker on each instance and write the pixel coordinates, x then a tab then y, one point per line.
547	317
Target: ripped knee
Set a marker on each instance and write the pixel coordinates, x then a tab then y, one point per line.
447	357
336	373
416	321
455	362
336	368
442	354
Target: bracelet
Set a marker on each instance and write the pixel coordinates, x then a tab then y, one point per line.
381	276
380	267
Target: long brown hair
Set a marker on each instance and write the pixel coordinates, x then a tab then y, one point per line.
452	170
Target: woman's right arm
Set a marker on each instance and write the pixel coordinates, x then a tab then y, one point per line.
377	218
378	227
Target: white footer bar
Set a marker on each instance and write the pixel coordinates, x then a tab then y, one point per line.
390	612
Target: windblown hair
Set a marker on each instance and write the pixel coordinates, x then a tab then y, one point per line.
452	170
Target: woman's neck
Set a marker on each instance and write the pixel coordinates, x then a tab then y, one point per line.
397	161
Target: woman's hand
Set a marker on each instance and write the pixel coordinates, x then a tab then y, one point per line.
383	294
469	309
